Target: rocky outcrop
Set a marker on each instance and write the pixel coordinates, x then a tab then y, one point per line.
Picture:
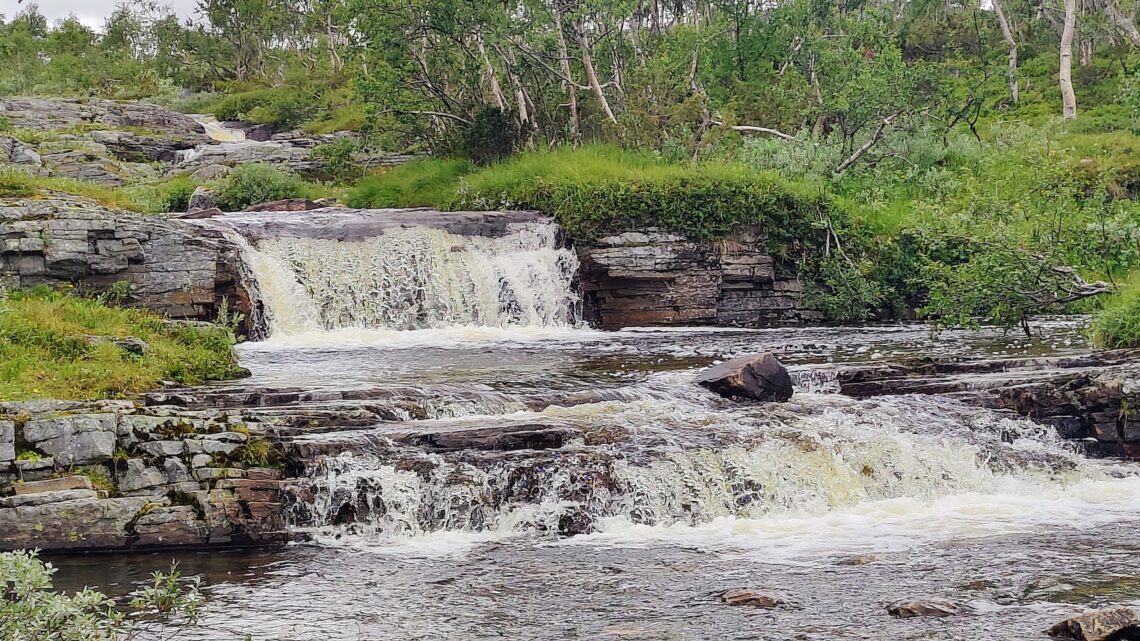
142	148
657	278
109	475
348	225
1084	397
1100	625
172	267
750	598
50	114
757	378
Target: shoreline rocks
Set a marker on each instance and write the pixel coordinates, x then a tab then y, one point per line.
1116	624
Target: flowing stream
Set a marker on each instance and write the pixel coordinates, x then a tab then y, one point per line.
654	495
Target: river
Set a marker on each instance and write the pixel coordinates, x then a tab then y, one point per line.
659	495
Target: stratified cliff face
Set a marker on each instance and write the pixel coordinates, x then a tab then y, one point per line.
656	278
170	266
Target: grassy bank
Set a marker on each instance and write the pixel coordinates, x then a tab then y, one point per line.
53	345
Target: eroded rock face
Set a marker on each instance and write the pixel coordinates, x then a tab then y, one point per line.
657	278
1113	623
174	268
757	378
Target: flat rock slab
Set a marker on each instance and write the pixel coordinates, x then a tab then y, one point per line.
53	485
912	608
43	498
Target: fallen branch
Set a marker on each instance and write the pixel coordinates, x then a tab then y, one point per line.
749	129
862	151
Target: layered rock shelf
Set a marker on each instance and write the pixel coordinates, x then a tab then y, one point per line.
172	267
1087	398
107	475
656	278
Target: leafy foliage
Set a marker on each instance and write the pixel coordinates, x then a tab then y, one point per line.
31	609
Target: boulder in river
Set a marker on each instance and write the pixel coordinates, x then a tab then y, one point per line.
1099	625
759	378
929	607
748	597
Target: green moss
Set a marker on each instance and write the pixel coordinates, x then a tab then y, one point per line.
421	183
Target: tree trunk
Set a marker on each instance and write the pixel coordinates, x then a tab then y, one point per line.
564	64
1007	34
1068	97
1123	23
489	75
591	73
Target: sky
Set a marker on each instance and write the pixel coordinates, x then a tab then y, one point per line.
90	12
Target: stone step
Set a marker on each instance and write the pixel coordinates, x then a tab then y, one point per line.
53	485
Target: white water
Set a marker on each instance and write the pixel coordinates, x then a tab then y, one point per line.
416	278
217	131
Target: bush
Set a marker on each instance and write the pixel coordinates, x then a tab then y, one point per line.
492	136
338	158
280	108
257	183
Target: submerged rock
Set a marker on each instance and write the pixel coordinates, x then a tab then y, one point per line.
759	378
910	608
1100	625
748	597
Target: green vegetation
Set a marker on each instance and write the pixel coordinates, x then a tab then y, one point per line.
32	609
892	150
257	183
1118	325
47	349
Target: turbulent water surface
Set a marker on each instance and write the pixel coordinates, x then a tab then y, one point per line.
673	495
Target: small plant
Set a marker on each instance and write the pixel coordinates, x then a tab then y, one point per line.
116	294
16	184
30	456
338	158
98	475
256	452
120	457
31	609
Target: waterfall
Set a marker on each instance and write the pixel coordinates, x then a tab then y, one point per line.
416	278
217	131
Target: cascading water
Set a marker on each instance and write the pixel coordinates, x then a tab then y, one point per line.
416	278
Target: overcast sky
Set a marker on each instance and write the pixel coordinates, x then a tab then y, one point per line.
90	12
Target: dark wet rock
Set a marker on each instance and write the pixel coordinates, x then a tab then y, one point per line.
759	378
289	204
173	267
750	598
131	344
141	148
927	607
175	525
652	277
575	521
1116	624
513	437
82	524
201	199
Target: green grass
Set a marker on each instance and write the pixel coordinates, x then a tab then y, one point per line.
421	183
45	351
1117	325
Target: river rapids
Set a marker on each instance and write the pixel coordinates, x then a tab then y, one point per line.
651	496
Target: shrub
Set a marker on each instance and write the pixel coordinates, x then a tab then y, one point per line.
257	183
492	136
338	158
32	609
